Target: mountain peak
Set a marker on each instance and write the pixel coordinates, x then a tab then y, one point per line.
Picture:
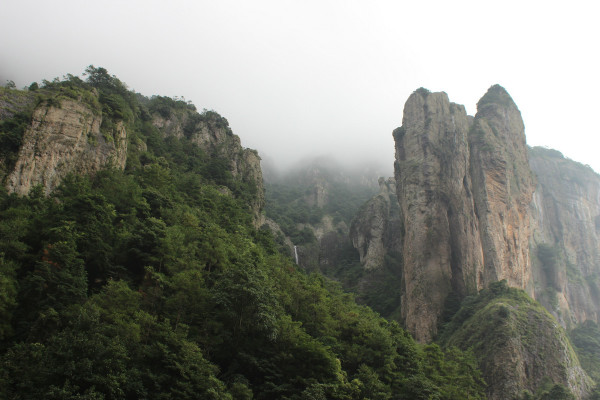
496	94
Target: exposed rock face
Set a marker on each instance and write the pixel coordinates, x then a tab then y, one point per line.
213	135
70	137
441	250
466	195
62	140
375	230
566	240
317	196
503	186
318	186
464	189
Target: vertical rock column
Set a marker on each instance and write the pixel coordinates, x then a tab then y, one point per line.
441	250
503	187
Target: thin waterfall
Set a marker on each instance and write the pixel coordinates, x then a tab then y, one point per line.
296	254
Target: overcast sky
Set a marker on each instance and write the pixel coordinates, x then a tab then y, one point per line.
296	78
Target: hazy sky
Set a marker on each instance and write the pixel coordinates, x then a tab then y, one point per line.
311	77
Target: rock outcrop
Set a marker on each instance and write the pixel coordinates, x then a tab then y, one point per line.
503	187
463	187
212	133
470	216
441	238
565	249
517	342
316	203
376	230
72	131
64	138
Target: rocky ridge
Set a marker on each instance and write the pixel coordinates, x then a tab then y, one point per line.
314	204
212	133
503	186
74	135
517	342
441	245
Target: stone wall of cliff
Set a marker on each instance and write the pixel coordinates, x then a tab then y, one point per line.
66	137
476	210
375	229
436	203
503	186
565	247
314	203
464	187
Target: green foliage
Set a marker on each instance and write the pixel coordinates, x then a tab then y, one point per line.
166	106
153	283
496	94
549	257
70	87
586	342
285	204
11	137
472	304
557	392
498	318
8	295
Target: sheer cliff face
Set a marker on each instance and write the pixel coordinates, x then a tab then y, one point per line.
503	188
65	139
566	237
463	190
375	229
441	249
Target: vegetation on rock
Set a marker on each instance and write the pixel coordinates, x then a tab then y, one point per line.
152	282
518	344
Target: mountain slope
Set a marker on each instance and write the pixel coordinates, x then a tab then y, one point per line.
517	343
153	281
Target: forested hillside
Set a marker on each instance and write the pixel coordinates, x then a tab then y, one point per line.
152	281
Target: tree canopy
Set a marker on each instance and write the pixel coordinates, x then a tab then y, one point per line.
153	283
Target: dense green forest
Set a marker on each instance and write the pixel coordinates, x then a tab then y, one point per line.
153	283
